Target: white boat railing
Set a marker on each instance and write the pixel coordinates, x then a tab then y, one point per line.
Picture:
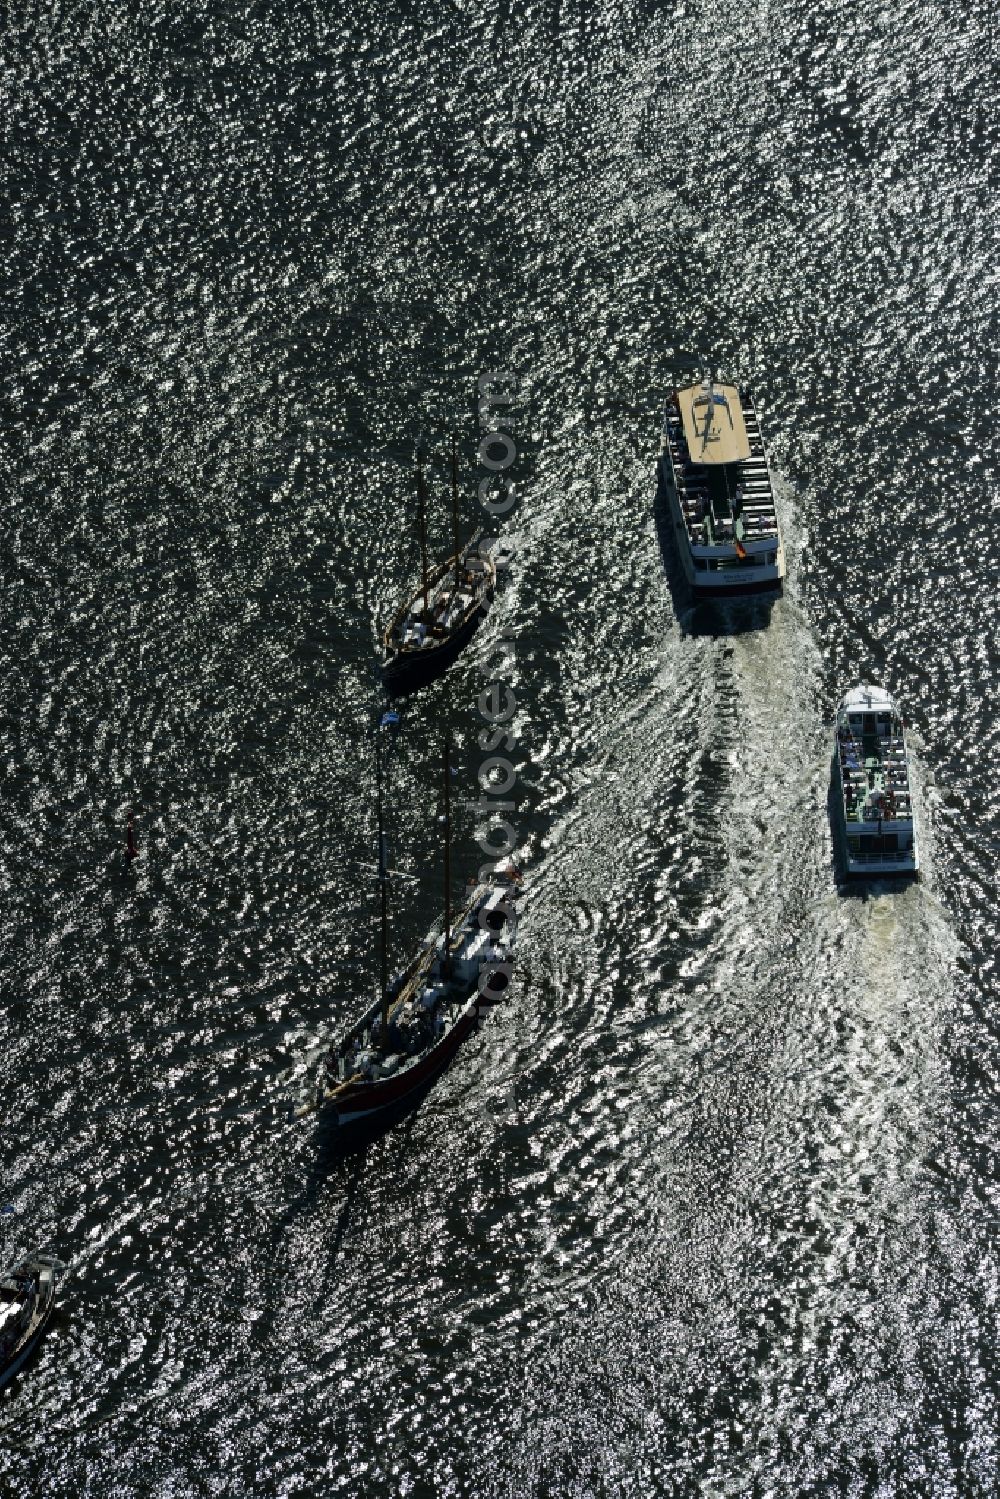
902	856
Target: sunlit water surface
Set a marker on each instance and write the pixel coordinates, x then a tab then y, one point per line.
709	1206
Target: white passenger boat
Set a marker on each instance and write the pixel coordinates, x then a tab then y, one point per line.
874	802
714	472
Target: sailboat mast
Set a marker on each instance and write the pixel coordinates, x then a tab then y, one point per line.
454	506
422	518
447	854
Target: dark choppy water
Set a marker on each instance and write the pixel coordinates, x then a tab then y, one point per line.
710	1208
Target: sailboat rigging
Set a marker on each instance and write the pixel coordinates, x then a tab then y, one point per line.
432	626
385	1062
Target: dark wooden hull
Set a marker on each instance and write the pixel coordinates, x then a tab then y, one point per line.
371	1107
19	1355
361	1107
404	671
406	668
365	1110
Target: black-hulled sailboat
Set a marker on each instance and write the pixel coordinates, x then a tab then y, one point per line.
27	1297
386	1061
428	631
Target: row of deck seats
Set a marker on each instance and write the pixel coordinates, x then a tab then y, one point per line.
898	807
759	519
890	751
691	491
856	777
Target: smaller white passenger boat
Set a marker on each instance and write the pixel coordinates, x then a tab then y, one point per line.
874	801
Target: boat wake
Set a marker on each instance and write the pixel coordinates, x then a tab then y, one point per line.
736	1066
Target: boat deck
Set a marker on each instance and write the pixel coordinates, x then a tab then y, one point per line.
26	1298
723	503
447	607
875	778
426	993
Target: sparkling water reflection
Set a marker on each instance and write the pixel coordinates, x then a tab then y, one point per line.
708	1207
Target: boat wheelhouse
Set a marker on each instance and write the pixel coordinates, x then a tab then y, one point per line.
874	800
718	487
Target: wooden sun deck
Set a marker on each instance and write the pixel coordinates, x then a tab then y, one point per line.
722	502
713	424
